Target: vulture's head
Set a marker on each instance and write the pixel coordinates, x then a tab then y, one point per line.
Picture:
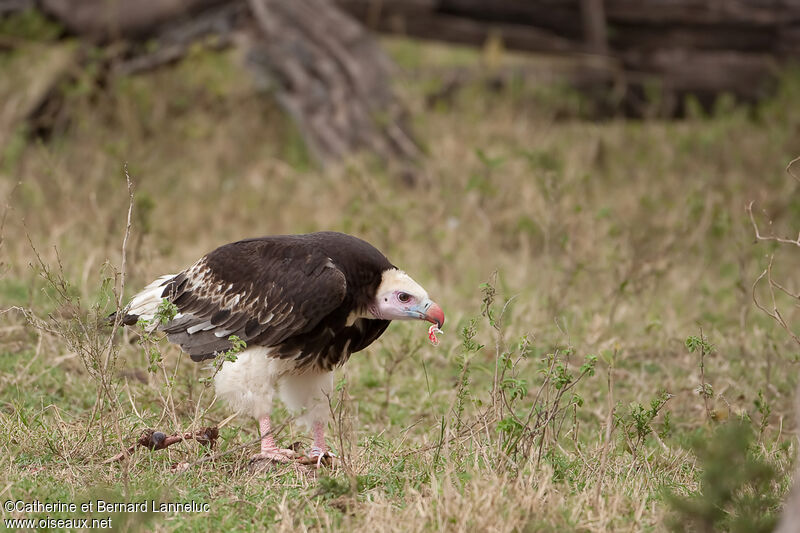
401	298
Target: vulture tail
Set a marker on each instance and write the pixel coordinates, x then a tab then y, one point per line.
144	305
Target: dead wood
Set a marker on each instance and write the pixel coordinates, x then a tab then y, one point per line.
103	21
332	77
697	47
157	440
323	67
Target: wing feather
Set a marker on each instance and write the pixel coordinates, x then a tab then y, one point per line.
259	290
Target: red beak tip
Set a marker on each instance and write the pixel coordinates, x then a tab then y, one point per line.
436	315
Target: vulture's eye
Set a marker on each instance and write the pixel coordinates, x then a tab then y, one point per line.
403	297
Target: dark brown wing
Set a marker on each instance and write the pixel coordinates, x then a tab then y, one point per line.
262	290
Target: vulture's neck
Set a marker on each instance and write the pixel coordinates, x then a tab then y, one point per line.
361	312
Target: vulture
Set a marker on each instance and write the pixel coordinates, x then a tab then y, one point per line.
302	304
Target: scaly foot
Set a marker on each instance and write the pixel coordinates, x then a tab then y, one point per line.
276	455
317	457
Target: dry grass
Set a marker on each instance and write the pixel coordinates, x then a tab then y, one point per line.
618	239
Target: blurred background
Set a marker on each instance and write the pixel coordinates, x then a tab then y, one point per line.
591	159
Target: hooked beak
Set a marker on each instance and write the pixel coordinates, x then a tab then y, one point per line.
430	311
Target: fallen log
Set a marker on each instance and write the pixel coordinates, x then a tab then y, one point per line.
336	84
333	83
698	47
102	21
565	15
323	67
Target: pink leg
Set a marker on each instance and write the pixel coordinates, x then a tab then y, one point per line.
268	448
318	449
267	440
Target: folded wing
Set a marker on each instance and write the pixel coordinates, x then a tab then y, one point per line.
259	290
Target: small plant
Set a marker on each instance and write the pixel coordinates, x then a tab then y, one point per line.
230	355
164	314
637	423
469	348
764	409
528	417
705	390
738	490
166	311
489	293
550	407
514	388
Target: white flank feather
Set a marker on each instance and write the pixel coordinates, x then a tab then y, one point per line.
249	384
145	304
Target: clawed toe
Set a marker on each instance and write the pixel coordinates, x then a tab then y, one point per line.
278	455
317	458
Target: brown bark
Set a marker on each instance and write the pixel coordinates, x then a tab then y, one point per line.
594	24
104	20
705	47
571	25
332	77
324	67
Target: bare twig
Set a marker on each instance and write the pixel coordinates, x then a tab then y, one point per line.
775	312
791	512
157	440
775	238
766	274
120	290
789	168
703	389
609	428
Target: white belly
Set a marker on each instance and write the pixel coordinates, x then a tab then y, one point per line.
249	384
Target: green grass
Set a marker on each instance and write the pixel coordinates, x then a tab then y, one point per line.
617	240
